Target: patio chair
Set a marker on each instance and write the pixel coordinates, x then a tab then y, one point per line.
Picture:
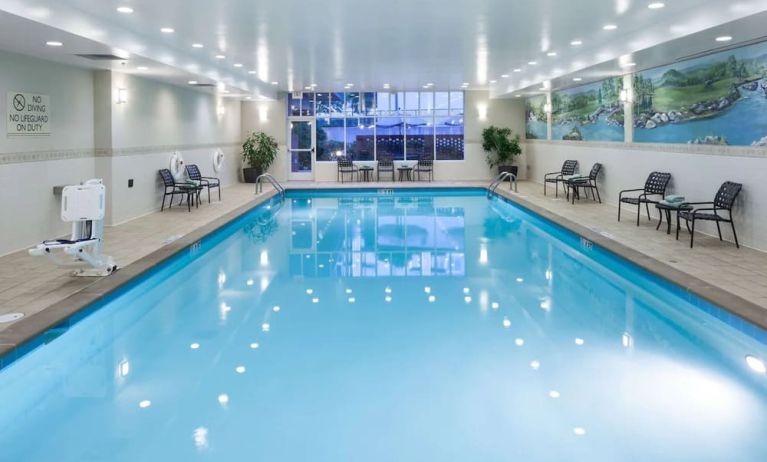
425	165
654	190
385	165
345	167
188	190
193	172
723	202
568	168
586	183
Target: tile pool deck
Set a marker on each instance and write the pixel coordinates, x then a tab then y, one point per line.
45	294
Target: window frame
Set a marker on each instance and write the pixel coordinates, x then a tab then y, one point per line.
401	110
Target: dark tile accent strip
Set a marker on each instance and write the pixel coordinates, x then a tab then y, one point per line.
734	310
27	334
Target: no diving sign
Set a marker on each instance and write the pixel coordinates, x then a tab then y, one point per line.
29	114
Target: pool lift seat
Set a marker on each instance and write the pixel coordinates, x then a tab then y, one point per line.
82	205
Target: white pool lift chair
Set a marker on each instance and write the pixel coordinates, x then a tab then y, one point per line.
82	205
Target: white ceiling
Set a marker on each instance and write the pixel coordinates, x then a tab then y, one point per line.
405	43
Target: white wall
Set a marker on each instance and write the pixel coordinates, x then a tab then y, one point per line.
269	117
697	172
157	120
480	112
92	136
31	166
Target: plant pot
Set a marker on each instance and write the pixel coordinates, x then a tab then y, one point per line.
513	169
250	174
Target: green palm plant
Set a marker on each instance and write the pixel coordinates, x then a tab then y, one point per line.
258	152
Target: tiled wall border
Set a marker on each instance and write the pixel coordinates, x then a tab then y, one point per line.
709	150
69	154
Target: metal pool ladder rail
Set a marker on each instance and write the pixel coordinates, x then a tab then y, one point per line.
503	176
273	181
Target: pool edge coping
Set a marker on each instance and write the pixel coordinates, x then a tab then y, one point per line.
18	334
718	296
23	331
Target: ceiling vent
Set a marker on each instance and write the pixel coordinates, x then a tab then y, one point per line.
101	57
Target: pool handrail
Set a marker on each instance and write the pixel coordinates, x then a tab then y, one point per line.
272	180
500	178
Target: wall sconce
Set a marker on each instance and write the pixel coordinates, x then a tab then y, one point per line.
482	111
122	95
626	96
547	108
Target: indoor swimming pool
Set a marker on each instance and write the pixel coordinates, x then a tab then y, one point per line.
391	325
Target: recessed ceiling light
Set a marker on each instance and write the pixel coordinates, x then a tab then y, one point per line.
251	72
724	38
307	88
220	57
274	83
237	64
610	27
314	85
576	43
532	63
192	82
53	43
124	9
197	45
517	70
551	53
505	76
142	68
493	81
577	79
656	5
386	85
167	30
628	64
519	96
756	364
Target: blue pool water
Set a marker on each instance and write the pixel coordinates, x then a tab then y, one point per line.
412	326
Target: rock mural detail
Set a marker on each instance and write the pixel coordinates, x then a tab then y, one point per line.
536	125
720	99
590	112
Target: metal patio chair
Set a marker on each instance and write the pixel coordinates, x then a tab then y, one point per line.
653	192
723	202
193	172
587	184
568	168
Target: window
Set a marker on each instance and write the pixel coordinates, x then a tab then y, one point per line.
449	138
420	138
360	138
390	138
402	125
330	138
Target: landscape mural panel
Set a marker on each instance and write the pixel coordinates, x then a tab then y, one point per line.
536	125
719	99
591	112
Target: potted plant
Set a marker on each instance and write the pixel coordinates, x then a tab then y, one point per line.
258	153
502	148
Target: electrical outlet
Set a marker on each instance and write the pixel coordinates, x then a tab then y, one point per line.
130	183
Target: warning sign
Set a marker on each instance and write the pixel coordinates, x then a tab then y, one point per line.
28	114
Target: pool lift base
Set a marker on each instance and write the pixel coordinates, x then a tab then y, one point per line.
82	205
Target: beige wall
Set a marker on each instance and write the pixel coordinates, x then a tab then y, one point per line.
92	136
31	166
697	172
480	112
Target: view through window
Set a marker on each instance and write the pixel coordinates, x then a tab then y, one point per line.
399	125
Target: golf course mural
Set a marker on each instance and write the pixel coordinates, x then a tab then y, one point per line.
536	125
719	99
591	112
